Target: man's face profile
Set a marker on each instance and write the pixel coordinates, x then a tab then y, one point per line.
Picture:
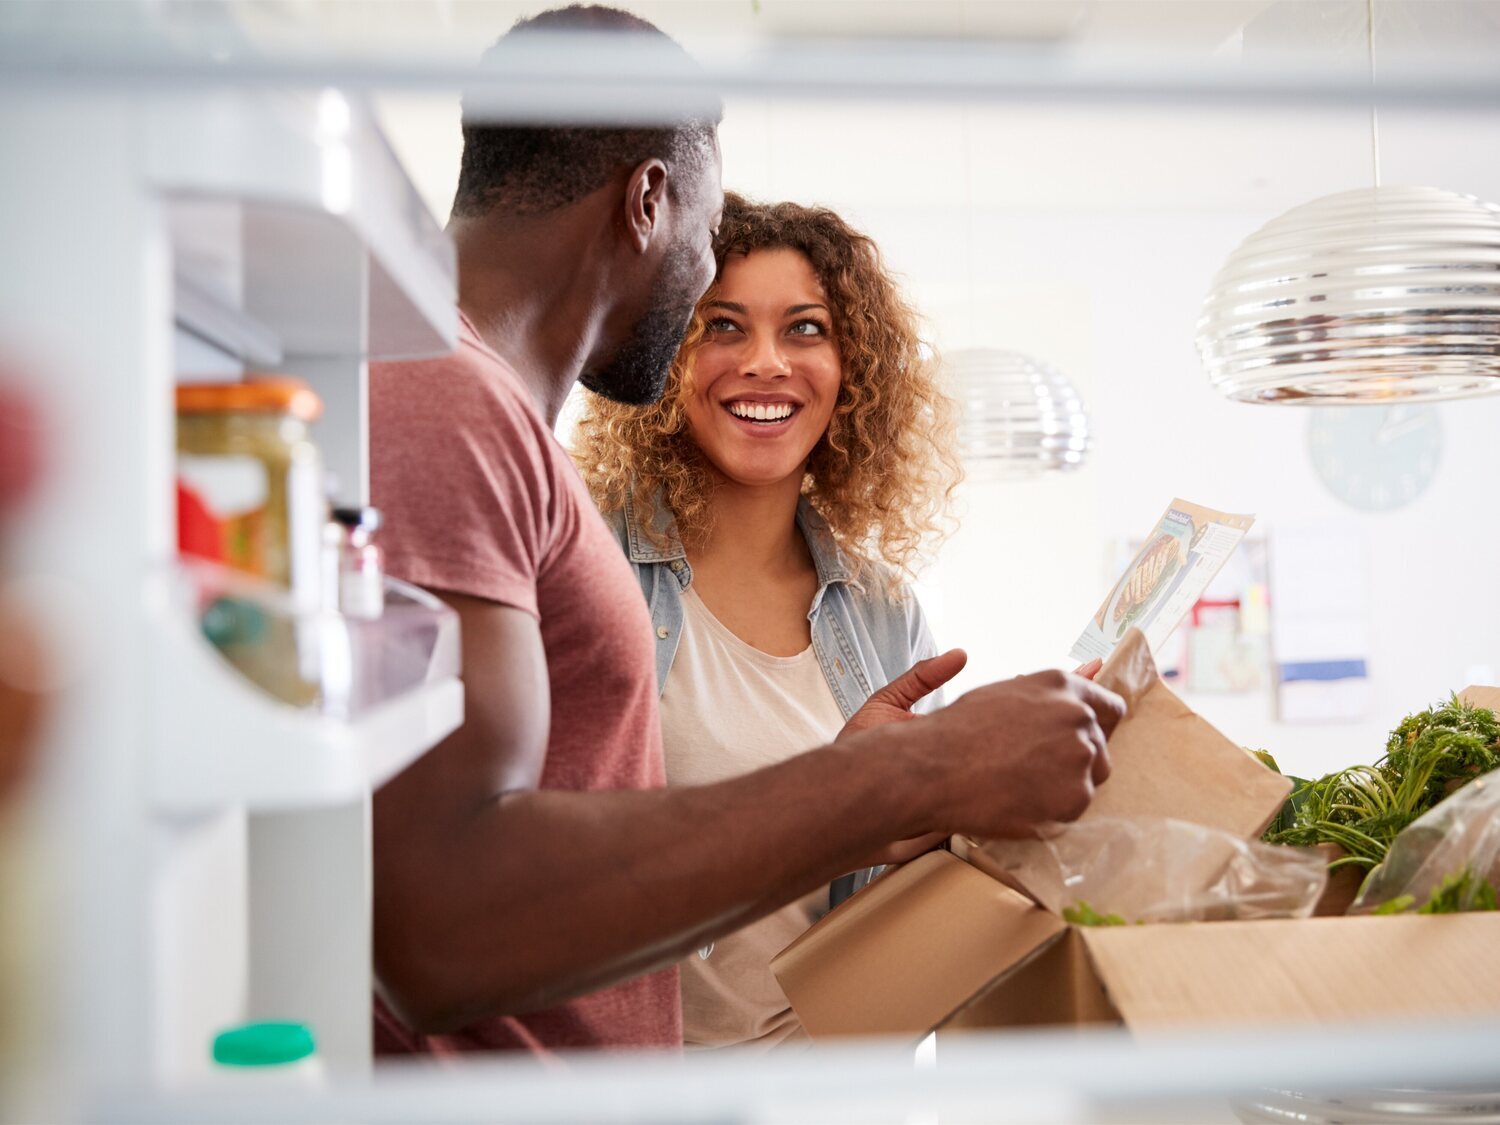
637	372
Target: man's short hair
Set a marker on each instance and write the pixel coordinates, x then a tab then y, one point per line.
533	169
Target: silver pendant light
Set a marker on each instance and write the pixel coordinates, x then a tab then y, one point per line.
1380	294
1373	295
1018	416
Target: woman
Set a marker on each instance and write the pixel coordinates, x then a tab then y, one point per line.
771	502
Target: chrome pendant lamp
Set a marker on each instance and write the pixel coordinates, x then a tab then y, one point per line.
1018	416
1375	295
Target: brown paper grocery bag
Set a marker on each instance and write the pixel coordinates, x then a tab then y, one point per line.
1167	761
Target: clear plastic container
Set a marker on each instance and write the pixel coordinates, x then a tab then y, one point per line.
413	642
342	666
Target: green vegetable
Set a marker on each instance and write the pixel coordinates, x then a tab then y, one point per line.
1453	742
1462	891
1265	759
1364	808
1459	893
1085	915
1286	818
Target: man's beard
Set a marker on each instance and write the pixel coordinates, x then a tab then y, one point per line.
637	373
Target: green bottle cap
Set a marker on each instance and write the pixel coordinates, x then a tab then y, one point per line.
233	621
264	1044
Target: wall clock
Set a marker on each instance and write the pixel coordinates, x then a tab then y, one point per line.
1375	458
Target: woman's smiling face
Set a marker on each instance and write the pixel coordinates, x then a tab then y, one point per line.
766	376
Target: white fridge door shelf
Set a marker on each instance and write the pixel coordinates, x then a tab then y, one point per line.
220	741
294	212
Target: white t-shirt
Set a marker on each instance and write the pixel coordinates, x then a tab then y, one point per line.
728	709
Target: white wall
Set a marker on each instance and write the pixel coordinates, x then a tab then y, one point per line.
1087	236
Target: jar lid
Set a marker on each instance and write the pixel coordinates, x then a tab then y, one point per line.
358	519
258	394
264	1044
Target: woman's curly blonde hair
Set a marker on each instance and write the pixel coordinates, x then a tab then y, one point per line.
883	472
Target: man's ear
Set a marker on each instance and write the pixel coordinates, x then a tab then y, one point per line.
645	196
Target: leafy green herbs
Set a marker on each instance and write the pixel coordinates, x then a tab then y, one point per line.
1451	743
1364	808
1459	893
1085	915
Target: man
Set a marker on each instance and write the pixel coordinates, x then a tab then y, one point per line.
534	884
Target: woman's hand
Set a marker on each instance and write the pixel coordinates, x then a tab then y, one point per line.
893	703
1090	670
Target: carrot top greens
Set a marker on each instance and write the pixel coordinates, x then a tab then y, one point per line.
1364	808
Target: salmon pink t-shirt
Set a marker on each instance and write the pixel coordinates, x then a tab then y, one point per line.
480	499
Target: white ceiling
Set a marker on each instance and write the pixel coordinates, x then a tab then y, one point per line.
1196	27
945	157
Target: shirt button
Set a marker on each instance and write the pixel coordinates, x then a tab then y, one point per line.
838	665
663	632
676	566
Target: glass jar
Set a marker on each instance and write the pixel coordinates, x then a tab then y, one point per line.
250	480
250	498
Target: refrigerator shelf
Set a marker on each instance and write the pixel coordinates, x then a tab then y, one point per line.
358	700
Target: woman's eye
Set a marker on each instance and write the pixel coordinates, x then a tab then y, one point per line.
721	324
809	328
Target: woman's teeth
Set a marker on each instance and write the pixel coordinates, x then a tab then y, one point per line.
762	411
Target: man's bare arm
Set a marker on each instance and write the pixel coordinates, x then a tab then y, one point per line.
492	896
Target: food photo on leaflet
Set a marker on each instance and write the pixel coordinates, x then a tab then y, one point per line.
501	917
1166	578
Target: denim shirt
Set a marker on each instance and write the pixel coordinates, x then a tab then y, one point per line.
862	640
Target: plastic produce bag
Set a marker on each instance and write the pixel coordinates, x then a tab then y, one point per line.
1158	870
1445	861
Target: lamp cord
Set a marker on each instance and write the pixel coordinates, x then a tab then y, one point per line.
968	172
1374	120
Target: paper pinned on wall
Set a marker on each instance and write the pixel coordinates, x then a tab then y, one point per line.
1165	579
1320	626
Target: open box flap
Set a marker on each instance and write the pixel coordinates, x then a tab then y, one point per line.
1482	697
1314	970
909	950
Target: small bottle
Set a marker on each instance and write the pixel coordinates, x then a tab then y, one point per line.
361	563
279	1051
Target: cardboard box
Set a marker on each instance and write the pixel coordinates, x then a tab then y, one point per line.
942	943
